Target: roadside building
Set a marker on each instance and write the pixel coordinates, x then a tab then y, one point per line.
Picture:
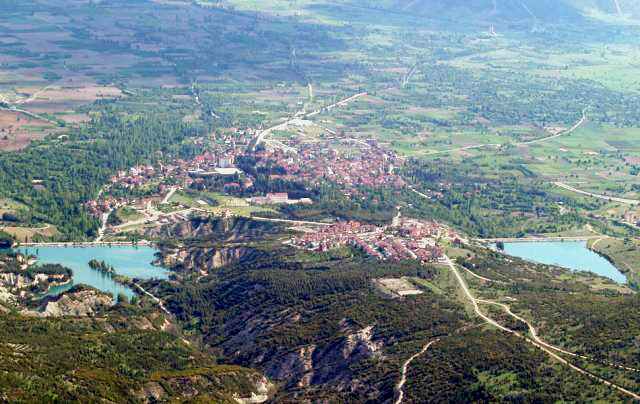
631	217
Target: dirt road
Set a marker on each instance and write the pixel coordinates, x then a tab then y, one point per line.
155	299
536	341
169	195
405	366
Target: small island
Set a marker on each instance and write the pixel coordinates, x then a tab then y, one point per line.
102	267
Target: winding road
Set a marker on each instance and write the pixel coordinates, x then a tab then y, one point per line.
544	139
563	133
536	341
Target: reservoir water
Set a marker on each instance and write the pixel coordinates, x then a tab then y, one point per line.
568	254
130	261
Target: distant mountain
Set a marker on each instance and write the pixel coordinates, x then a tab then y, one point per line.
543	11
625	7
550	10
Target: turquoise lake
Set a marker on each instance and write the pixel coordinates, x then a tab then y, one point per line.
130	261
568	254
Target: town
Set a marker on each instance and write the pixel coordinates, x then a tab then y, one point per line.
354	165
362	164
404	239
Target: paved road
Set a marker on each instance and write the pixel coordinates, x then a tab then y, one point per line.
264	133
296	222
30	114
86	244
599	196
478	146
563	133
405	366
337	104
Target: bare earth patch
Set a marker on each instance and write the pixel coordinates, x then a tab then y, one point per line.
27	234
399	286
18	130
56	99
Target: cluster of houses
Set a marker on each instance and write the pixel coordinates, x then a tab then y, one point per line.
206	164
183	172
364	165
105	205
407	239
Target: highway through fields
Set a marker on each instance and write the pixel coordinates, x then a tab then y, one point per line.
544	139
563	133
599	196
261	135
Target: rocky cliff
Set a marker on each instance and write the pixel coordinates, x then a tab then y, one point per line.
203	259
220	384
19	280
327	362
80	301
210	243
215	229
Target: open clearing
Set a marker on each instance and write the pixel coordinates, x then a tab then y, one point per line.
399	286
30	234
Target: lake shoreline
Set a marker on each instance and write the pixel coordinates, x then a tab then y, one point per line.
630	275
576	256
129	261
